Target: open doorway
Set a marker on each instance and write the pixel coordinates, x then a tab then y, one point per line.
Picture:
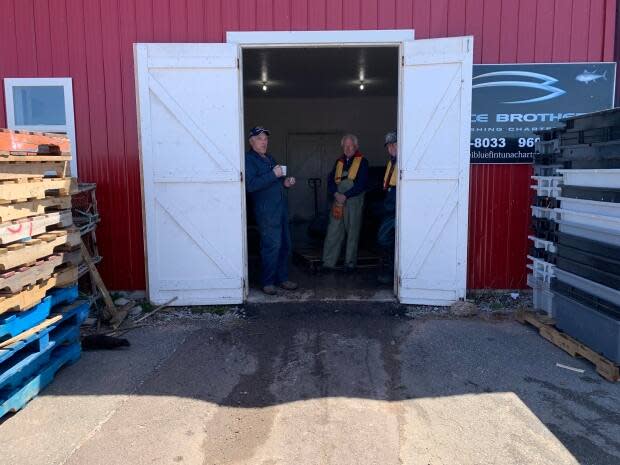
309	97
189	101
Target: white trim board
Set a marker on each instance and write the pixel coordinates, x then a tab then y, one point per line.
319	38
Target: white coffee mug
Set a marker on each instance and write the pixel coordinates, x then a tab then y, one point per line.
283	170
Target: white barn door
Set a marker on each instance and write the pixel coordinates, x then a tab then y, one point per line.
189	115
433	187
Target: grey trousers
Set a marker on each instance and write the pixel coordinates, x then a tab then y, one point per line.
348	227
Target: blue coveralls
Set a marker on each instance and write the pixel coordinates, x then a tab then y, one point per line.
271	212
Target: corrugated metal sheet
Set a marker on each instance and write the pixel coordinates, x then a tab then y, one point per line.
91	41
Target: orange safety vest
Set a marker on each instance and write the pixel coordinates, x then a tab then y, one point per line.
355	166
389	179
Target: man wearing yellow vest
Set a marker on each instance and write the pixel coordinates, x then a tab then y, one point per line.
386	235
347	184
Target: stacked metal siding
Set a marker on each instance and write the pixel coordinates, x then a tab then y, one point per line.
577	280
546	184
92	43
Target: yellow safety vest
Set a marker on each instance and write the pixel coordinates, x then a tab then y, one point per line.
355	166
392	173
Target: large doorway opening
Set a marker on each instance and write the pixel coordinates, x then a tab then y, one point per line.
190	101
309	97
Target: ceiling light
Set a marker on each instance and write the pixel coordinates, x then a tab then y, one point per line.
264	87
362	85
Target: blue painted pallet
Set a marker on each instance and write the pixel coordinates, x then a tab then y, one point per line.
15	323
19	397
24	359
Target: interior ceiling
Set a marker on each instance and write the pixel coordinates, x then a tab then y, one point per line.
320	72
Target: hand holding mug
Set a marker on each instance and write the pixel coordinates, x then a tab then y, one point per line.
289	182
277	170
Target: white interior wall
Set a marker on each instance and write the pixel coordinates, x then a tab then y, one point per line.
306	133
367	117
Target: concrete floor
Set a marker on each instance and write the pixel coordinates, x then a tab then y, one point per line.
333	286
322	384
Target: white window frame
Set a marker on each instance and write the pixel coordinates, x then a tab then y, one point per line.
68	127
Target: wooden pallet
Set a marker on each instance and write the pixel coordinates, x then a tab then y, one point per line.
33	169
23	253
28	157
545	325
312	258
12	141
15	280
19	210
32	331
32	295
34	188
29	227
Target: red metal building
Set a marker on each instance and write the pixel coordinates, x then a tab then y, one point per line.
91	42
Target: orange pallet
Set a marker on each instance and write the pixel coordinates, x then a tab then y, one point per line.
33	143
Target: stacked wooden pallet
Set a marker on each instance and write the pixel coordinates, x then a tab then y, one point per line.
39	259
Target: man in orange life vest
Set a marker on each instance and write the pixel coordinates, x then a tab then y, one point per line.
347	184
386	235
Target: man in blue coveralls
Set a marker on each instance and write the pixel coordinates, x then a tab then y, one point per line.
387	230
265	182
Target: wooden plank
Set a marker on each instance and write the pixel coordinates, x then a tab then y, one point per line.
29	157
31	331
29	227
20	253
35	207
14	281
525	316
35	188
31	296
559	339
38	169
604	367
97	278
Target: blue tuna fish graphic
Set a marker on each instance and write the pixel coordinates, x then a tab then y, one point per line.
590	76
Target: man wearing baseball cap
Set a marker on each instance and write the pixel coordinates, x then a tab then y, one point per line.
387	230
266	183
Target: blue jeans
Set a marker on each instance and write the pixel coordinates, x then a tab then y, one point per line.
386	237
275	246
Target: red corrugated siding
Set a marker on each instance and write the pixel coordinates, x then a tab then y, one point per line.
91	41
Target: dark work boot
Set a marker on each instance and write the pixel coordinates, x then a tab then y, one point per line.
386	268
288	285
270	290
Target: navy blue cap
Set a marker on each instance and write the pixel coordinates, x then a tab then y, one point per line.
256	130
